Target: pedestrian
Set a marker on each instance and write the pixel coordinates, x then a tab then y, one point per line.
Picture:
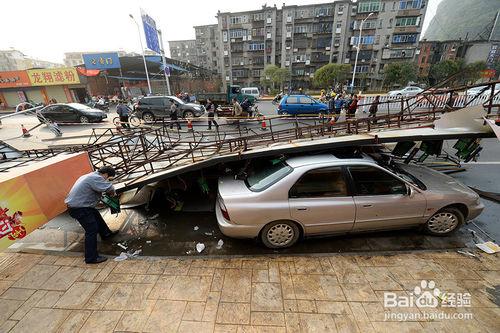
237	111
374	109
81	201
339	104
174	117
123	111
245	105
353	106
331	106
210	106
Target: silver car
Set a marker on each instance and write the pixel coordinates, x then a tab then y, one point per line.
323	194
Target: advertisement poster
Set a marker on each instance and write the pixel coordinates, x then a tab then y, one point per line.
14	79
101	60
53	76
31	196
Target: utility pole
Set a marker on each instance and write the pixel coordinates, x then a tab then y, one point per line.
357	52
164	60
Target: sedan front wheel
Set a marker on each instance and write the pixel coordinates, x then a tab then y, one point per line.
280	234
84	120
444	222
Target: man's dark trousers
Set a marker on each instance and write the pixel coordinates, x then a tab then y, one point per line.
93	223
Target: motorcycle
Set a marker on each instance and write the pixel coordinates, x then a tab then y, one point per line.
102	107
277	99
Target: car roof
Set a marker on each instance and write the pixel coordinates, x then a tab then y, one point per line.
298	95
299	161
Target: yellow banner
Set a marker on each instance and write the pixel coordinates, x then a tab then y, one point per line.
53	76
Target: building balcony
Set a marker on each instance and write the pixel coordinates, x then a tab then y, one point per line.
408	12
409	29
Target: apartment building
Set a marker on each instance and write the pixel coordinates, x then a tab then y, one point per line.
207	46
184	50
304	38
13	60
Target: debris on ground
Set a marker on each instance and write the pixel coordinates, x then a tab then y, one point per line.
154	217
209	233
488	247
127	255
200	247
196	228
467	253
122	246
219	244
148	242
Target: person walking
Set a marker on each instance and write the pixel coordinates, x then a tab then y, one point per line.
339	104
331	106
123	111
174	117
374	109
237	111
81	201
353	106
211	114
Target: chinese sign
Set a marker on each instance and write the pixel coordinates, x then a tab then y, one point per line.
101	61
30	199
488	73
53	76
493	55
14	79
150	32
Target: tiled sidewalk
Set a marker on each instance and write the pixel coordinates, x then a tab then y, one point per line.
338	293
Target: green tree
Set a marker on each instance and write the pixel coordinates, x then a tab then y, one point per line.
400	73
331	74
446	68
275	76
472	72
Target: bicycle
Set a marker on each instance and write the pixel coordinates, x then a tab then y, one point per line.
133	120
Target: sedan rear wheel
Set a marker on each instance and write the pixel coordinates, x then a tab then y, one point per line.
84	120
188	114
280	234
148	117
444	222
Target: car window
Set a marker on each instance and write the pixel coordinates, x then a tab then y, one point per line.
255	92
305	100
292	100
369	180
267	174
325	182
156	101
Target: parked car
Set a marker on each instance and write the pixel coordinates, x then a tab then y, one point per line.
405	92
322	194
301	104
156	107
483	90
71	113
252	91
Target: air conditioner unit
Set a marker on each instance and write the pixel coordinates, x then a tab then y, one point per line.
249	37
340	13
268	21
268	36
347	60
295	50
336	44
308	62
227	78
226	53
233	40
244	37
327	48
338	30
287	63
288	47
288	35
311	75
289	19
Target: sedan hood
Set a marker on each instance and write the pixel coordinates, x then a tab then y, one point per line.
228	186
437	181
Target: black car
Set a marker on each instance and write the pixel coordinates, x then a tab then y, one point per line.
154	107
71	113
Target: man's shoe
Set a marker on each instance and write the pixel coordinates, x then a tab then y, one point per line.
97	260
111	234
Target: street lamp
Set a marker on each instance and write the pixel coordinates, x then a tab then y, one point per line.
357	51
142	48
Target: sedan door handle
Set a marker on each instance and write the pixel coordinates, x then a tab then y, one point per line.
302	208
367	206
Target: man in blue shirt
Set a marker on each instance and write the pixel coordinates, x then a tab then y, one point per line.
81	201
123	110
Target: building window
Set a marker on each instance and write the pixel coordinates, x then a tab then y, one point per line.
408	38
407	21
236	61
258	32
298	71
238	19
369	24
365	40
300	29
410	4
323	11
255	46
369	6
321	43
256	72
258	17
237	33
341	10
362	69
239	73
322	27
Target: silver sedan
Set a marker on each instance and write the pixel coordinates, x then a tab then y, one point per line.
323	194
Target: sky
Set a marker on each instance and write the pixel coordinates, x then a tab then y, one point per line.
45	29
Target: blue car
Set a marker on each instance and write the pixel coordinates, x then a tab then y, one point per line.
301	104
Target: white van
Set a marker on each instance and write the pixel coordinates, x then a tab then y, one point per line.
253	91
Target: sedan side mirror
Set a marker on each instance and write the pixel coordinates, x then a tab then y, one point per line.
410	191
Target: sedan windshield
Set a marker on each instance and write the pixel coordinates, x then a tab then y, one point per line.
400	172
266	175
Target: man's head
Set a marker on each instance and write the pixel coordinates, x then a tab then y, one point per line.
107	172
234	100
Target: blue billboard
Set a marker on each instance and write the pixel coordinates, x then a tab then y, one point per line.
101	60
150	32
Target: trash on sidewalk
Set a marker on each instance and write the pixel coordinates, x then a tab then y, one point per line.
196	228
148	242
209	233
154	217
122	246
200	247
488	247
219	244
124	255
467	253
